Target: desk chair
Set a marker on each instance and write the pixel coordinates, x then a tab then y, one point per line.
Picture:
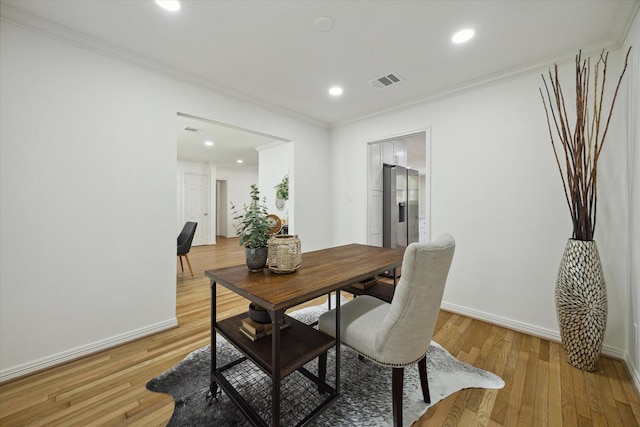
184	243
398	334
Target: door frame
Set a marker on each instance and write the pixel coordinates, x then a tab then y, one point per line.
185	168
425	186
204	223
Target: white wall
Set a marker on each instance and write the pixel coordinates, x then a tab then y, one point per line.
238	187
633	122
88	196
495	187
88	177
277	161
490	169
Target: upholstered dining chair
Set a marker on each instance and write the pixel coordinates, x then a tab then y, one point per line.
398	334
184	243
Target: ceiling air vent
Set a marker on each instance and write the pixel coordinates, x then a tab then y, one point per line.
190	129
386	80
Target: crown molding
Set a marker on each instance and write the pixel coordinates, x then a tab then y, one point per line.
620	29
83	41
622	24
487	81
623	21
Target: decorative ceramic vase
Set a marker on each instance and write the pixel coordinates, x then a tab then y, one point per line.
284	254
581	304
256	258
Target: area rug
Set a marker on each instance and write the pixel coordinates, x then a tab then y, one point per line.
365	393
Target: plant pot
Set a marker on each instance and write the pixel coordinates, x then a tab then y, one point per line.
581	304
256	258
260	316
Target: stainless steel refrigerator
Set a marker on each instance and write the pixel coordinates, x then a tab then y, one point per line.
400	204
413	206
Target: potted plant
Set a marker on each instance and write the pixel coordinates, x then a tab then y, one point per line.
252	227
581	298
282	192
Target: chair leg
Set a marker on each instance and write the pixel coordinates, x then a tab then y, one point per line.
396	389
188	263
181	266
422	368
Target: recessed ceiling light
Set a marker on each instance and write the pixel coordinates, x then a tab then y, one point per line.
170	5
323	24
239	161
208	143
335	91
463	36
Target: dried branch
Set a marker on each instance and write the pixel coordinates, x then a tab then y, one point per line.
581	149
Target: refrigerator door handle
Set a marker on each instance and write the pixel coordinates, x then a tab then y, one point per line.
402	212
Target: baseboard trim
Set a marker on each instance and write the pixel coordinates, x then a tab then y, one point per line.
635	375
548	334
75	353
526	328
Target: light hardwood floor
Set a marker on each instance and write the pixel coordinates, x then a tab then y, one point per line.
108	388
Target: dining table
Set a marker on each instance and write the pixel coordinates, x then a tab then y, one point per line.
289	349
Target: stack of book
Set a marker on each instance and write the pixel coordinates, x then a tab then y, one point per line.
254	330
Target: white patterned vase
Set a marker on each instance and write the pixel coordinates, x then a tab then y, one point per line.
581	304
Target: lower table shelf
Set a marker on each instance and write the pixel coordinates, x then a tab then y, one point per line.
248	381
299	343
302	399
380	290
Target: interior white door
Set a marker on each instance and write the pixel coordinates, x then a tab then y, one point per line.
196	202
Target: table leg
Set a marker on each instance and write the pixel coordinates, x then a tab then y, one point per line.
322	372
395	280
212	395
276	319
338	342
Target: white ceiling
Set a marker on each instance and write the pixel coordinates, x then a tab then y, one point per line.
229	144
270	52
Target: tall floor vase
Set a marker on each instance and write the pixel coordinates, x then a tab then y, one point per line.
581	304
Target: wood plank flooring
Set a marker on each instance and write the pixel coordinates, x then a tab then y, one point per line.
108	388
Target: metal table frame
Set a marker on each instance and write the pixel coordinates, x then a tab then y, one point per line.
321	273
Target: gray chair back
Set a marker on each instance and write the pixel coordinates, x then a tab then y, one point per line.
186	237
405	333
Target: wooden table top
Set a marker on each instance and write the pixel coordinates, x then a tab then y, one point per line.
321	272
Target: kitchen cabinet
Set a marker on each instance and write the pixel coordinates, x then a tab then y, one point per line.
394	153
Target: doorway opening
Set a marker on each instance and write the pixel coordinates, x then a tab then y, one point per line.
407	152
213	157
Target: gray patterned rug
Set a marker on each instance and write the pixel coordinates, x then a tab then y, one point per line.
365	393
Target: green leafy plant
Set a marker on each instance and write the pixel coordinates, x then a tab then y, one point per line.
251	221
282	189
581	142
